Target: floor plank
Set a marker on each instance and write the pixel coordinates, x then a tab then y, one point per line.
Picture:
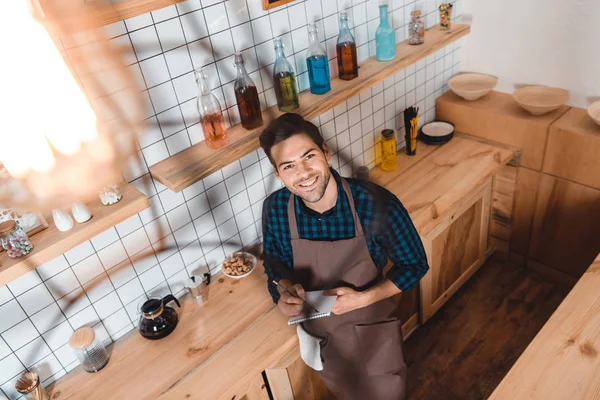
465	350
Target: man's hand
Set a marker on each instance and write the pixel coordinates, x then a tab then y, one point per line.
348	300
290	305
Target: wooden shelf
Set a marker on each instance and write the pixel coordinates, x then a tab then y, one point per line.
51	243
80	15
189	166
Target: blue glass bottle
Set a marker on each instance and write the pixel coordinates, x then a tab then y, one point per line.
385	37
317	63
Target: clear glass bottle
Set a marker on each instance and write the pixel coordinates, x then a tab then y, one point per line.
416	29
284	80
385	37
14	239
388	150
246	96
317	63
346	51
211	116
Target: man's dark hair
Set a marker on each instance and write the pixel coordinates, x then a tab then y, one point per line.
286	126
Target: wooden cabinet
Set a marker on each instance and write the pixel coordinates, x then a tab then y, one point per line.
456	249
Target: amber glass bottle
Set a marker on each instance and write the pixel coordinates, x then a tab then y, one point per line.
246	96
346	51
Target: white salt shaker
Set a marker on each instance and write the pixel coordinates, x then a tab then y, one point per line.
62	220
81	213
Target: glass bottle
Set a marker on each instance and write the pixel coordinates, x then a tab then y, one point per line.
211	116
246	96
346	51
14	239
284	80
317	63
416	29
385	37
388	150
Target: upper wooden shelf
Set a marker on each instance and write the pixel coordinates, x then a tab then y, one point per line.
51	242
189	166
80	15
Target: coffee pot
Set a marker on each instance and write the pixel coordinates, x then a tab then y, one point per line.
198	287
157	320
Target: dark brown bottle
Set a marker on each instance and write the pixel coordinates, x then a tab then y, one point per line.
246	96
346	51
249	107
347	60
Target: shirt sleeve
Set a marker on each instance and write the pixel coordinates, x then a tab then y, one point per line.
274	259
404	247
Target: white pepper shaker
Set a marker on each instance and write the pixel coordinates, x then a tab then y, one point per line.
62	220
81	213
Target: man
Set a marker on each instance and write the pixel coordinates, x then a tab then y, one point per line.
324	232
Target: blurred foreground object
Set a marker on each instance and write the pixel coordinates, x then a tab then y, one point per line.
74	108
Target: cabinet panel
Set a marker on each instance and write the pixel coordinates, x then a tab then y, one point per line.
455	250
566	228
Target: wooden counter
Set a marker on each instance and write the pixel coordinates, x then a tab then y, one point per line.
563	360
220	348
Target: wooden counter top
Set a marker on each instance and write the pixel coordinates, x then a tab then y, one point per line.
563	360
218	348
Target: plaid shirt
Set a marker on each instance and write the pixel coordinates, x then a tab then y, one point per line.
388	229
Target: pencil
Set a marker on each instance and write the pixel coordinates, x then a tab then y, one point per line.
293	295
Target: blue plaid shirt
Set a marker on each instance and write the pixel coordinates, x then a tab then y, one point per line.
388	229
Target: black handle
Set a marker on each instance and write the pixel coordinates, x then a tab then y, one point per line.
169	298
207	276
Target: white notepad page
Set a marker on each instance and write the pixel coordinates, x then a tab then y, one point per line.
317	300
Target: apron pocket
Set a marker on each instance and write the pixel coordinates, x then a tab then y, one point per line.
381	347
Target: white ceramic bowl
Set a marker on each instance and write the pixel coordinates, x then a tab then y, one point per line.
594	111
254	262
472	86
540	100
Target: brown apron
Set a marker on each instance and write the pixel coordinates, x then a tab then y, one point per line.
362	349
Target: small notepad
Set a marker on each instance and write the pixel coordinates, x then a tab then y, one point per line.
317	300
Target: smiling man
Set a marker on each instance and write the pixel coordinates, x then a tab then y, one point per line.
325	232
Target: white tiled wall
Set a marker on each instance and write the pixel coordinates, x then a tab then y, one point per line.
97	283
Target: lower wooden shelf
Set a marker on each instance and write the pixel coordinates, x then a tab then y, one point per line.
51	242
189	166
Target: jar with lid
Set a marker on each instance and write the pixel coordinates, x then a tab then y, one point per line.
388	150
110	195
89	350
416	29
14	239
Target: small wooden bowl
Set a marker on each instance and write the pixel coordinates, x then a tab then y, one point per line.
472	86
594	111
540	100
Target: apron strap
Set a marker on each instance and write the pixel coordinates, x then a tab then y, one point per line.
358	231
292	217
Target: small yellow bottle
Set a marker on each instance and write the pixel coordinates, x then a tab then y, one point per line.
388	150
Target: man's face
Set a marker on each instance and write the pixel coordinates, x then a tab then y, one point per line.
302	166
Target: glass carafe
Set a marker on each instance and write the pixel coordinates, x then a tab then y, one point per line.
385	37
157	320
317	63
246	96
284	80
346	51
211	116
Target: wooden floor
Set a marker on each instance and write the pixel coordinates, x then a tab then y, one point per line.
464	351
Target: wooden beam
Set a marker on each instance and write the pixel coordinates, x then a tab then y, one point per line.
189	166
